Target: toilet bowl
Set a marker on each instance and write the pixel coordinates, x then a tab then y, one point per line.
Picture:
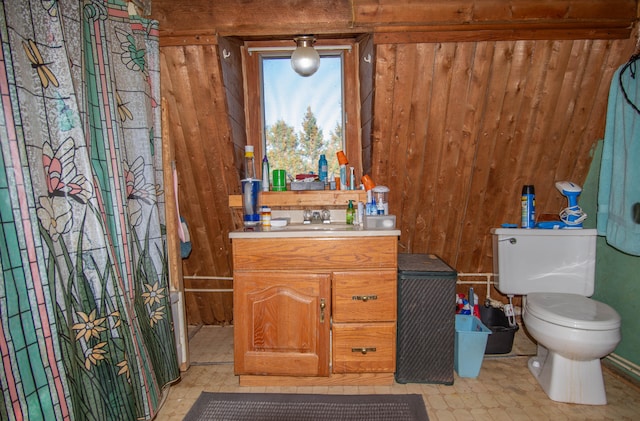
573	333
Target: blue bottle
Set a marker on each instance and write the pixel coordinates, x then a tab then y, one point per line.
323	168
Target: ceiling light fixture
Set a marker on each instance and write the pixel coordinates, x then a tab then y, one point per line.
305	60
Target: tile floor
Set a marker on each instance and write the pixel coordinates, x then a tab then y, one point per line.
505	390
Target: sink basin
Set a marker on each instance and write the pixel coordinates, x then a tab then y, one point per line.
299	230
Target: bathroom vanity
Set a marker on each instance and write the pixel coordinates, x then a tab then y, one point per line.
315	305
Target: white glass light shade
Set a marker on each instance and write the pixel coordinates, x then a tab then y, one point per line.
305	60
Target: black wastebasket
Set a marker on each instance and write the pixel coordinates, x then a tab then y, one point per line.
426	319
501	339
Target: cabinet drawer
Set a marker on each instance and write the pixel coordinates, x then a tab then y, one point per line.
314	253
364	347
364	296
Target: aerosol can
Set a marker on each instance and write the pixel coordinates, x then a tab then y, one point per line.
528	203
572	216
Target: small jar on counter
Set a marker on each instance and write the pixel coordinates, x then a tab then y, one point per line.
265	216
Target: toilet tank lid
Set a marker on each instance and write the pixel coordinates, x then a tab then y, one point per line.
537	231
572	310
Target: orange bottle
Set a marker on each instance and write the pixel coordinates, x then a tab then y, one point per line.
342	161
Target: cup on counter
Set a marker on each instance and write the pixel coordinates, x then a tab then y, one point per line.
279	180
367	182
250	201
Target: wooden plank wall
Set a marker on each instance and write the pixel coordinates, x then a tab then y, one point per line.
457	124
192	84
460	127
367	77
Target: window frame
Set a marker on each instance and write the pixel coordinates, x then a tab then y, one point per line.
254	116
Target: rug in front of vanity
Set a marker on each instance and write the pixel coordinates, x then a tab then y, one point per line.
303	407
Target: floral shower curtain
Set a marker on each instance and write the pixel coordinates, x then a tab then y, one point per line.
85	329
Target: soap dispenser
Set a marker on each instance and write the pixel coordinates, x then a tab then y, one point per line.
350	213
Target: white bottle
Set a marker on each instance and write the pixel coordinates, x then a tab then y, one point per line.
360	214
344	182
265	174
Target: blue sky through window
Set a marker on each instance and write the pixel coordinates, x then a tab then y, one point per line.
287	94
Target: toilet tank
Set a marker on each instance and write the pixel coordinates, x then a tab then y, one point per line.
542	260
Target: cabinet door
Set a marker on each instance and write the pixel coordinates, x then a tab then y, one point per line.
281	323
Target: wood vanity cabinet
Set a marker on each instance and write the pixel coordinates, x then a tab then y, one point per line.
315	310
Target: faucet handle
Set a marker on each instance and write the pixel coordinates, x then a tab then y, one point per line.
306	215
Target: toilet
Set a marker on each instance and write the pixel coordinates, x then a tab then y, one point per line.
554	271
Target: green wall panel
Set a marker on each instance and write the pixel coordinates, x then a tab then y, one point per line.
617	273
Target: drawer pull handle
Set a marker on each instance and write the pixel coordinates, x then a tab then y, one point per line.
363	350
364	298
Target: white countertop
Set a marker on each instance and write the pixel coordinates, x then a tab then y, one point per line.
312	231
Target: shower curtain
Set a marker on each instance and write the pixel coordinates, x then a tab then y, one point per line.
86	329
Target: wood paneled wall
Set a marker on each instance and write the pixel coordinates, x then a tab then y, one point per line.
200	130
461	127
458	119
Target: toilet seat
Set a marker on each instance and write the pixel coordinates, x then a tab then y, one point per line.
572	310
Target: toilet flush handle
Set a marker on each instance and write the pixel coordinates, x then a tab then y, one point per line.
511	240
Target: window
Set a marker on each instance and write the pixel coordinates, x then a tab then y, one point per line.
282	115
302	116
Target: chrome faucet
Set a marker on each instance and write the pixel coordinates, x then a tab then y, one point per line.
316	216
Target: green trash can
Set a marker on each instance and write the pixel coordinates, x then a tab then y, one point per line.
470	343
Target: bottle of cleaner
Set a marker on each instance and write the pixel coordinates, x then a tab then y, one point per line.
323	169
265	174
528	202
372	209
350	213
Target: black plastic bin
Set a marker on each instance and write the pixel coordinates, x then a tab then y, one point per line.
426	319
501	339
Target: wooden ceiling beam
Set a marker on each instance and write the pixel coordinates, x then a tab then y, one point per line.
409	35
490	19
457	12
